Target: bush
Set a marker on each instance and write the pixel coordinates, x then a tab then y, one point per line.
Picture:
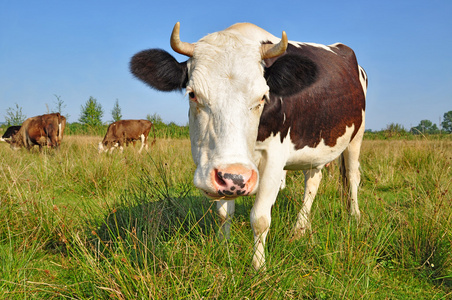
83	129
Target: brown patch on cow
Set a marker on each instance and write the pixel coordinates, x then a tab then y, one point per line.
322	110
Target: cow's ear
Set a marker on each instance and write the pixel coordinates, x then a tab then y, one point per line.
159	69
290	74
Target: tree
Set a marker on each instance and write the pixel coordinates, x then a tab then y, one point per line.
91	114
425	126
15	116
395	129
447	122
59	106
116	112
155	119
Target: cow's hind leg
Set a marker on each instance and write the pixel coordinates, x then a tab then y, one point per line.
312	180
144	140
143	143
352	176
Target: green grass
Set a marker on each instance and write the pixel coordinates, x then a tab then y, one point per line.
78	225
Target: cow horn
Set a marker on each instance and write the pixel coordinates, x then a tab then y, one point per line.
270	50
183	48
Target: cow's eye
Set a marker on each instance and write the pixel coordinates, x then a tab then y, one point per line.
260	104
192	96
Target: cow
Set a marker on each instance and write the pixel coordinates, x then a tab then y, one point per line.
10	131
44	130
260	105
124	132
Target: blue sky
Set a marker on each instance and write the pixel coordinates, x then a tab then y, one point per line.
78	49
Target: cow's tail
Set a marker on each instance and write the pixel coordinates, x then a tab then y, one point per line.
343	171
363	79
153	131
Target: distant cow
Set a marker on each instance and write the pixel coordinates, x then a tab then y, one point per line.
125	132
7	136
260	105
46	130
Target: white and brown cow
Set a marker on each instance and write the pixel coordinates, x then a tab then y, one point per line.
260	105
123	132
45	130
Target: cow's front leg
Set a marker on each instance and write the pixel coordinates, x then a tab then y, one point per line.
121	146
112	147
311	184
260	216
225	210
283	181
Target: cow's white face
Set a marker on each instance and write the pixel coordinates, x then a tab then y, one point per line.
104	148
227	91
224	79
100	148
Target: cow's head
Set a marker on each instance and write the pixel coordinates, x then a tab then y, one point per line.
224	80
107	146
16	141
101	148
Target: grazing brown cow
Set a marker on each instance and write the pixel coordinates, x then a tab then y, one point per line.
125	132
7	136
46	130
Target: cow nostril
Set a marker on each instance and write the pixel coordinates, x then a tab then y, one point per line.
219	178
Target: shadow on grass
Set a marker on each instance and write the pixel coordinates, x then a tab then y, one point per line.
157	219
147	219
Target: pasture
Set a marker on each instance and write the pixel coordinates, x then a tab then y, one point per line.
78	225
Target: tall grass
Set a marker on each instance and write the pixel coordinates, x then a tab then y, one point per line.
79	225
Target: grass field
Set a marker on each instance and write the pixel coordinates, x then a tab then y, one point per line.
78	225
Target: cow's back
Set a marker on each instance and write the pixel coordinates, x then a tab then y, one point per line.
329	100
130	129
146	126
121	129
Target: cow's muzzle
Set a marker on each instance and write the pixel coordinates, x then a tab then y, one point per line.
232	181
